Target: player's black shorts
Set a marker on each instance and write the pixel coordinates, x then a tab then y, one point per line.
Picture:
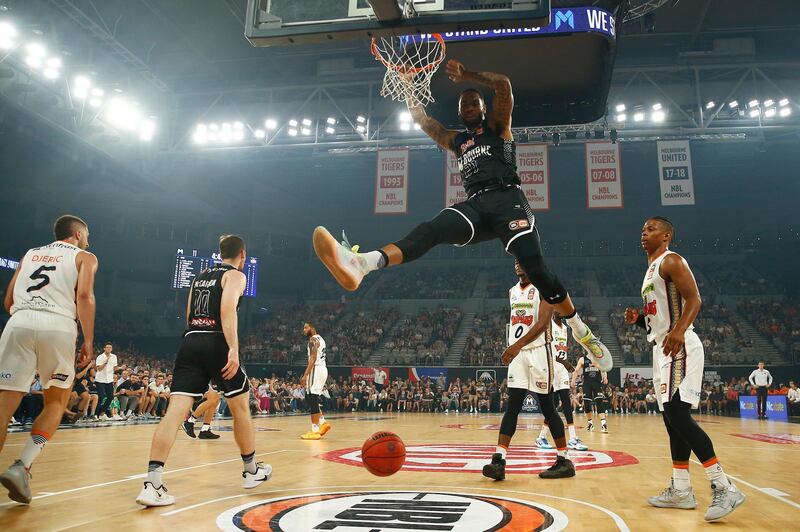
592	393
502	213
200	359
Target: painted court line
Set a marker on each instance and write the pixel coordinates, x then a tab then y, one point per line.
133	477
766	491
621	525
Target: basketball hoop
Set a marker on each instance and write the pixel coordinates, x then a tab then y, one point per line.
410	61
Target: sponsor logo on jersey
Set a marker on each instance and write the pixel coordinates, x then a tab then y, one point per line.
393	510
38	301
648	289
525	320
59	377
650	308
518	224
458	458
651	270
5	375
203	322
663	387
467	145
485	375
532	294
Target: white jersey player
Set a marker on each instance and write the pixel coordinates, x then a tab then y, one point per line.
671	303
314	379
52	287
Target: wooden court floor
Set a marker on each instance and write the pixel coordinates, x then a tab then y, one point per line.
87	478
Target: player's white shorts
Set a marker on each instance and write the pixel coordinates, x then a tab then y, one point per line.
561	378
682	372
37	340
532	369
316	381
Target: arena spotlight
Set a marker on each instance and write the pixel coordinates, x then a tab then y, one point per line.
238	135
785	111
146	130
306	131
405	126
226	126
622	117
733	104
361	129
710	105
80	87
35	54
658	116
656	107
769	103
307	122
361	120
621	108
330	130
260	134
238	126
755	112
784	102
213	127
769	113
638	116
293	123
52	68
271	123
225	135
417	127
405	117
123	114
331	121
8	34
200	135
292	132
752	103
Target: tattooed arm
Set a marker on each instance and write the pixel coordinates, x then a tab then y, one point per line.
503	101
433	128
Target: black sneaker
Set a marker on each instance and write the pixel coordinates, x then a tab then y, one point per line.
563	468
208	435
188	428
497	469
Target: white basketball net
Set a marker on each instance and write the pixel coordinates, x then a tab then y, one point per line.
410	61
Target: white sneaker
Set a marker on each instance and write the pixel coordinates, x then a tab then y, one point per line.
152	496
542	443
724	500
575	444
672	498
344	263
16	480
103	417
596	350
262	474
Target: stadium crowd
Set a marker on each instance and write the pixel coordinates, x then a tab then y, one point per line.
423	339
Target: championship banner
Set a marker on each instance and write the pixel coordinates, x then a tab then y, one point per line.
675	172
391	183
533	168
636	374
453	189
366	373
603	176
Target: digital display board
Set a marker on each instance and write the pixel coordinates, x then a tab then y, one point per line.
190	262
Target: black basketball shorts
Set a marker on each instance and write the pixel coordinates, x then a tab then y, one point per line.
200	359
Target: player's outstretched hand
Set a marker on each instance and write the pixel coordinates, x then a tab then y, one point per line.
631	315
673	343
232	366
455	71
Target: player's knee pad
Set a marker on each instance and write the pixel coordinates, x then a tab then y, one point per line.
532	262
313	403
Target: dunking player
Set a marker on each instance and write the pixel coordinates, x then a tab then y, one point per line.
530	367
496	206
209	352
593	395
561	386
206	407
53	285
671	303
314	380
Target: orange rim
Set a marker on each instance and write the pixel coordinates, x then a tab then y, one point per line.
403	68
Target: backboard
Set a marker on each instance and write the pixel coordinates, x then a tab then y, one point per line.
284	22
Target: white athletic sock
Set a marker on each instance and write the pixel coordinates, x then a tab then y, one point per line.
191	419
563	452
502	451
715	473
374	260
572	434
543	433
578	327
33	447
680	479
205	427
154	473
321	419
603	422
314	428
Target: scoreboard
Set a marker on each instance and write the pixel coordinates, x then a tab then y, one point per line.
190	262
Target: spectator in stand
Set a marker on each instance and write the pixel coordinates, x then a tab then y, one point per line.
104	378
793	397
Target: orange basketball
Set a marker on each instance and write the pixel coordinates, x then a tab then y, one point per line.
383	454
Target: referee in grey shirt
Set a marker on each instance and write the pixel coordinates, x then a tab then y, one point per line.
761	380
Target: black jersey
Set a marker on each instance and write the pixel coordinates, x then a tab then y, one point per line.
485	158
591	374
204	309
